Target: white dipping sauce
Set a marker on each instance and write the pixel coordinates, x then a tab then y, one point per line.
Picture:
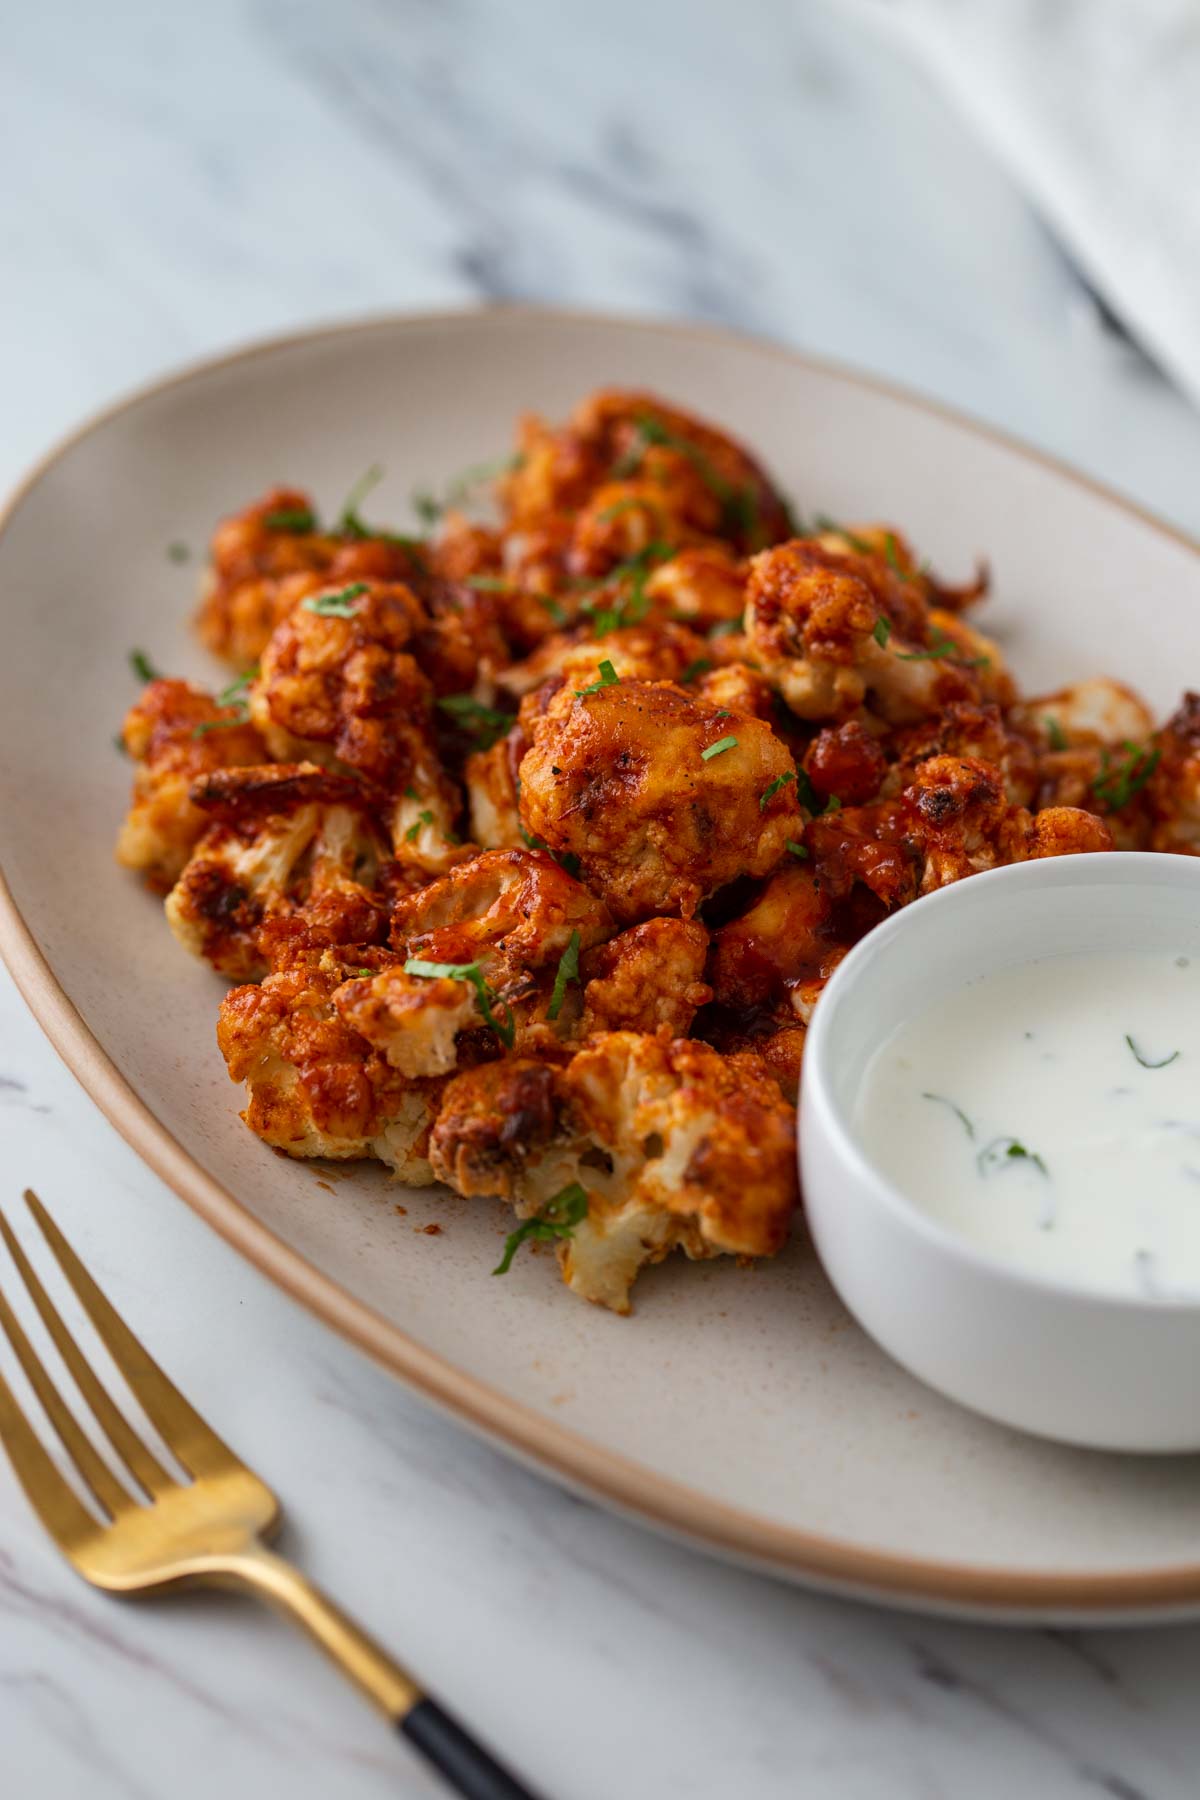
1050	1114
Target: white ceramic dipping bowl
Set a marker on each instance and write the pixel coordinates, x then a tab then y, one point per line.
1113	1371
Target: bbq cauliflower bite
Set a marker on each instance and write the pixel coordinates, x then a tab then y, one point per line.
961	819
490	777
513	913
965	729
675	1146
175	733
287	841
266	559
838	630
315	1086
700	480
700	587
637	653
1093	712
777	956
619	779
649	978
885	542
343	688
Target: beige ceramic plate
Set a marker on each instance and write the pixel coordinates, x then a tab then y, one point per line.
742	1409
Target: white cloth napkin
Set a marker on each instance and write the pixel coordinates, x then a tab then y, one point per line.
1095	107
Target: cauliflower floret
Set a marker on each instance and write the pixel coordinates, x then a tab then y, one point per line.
315	1086
701	481
491	782
414	1023
287	842
777	956
637	653
175	733
620	779
736	687
965	729
960	817
892	547
674	1146
266	559
1097	711
700	587
838	630
649	978
343	687
513	914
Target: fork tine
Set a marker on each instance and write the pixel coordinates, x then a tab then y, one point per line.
142	1465
95	1471
196	1445
51	1498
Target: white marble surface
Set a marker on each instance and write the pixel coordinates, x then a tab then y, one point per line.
177	180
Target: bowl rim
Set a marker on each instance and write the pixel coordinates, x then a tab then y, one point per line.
817	1088
670	1506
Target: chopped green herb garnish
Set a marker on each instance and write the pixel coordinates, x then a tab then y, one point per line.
1055	733
773	787
628	503
557	1220
700	666
490	584
505	1029
207	725
832	805
120	746
941	647
291	518
1145	1060
413	832
234	694
1119	782
891	551
740	510
429	507
723	628
1002	1151
568	971
335	606
484	723
557	613
142	667
722	744
882	630
806	793
958	1112
350	524
608	677
179	553
629	608
796	849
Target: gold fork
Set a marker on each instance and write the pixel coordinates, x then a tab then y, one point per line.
164	1533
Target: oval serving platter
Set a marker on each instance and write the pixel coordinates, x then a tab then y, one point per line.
741	1409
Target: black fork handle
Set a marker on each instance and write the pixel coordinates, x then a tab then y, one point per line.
459	1758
